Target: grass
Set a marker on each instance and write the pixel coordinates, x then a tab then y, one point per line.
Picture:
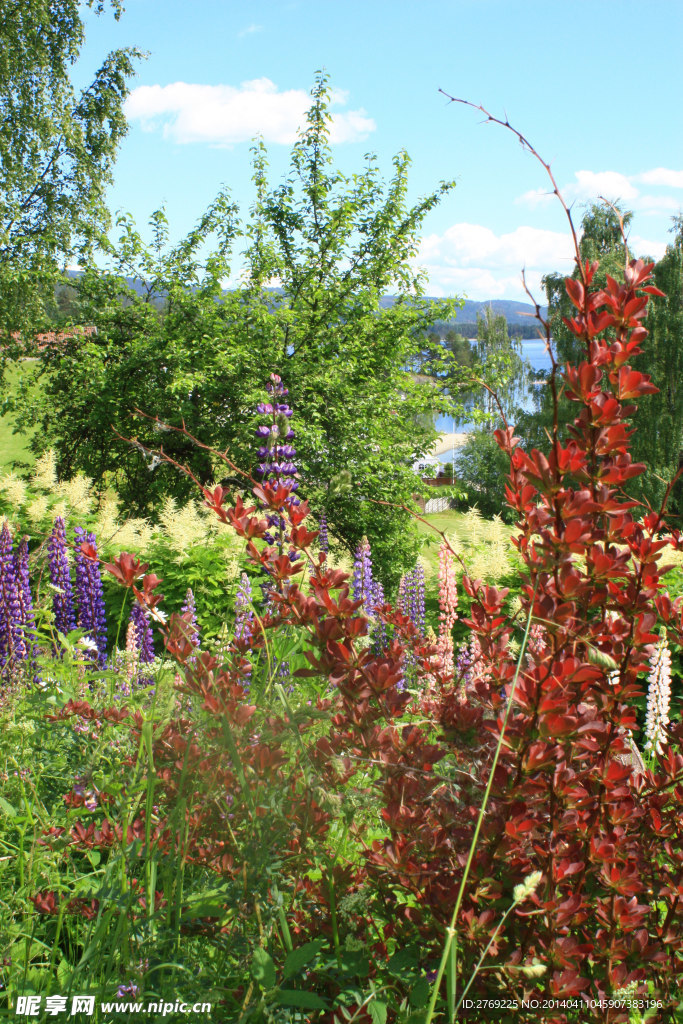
14	447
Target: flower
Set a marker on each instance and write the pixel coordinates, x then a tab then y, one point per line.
276	467
91	614
143	639
411	596
62	602
12	643
658	698
448	604
244	615
363	587
323	539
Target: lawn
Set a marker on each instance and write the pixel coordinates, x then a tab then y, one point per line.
14	450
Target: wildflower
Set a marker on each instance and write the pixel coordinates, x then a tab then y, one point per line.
411	597
448	604
658	697
191	607
244	615
323	539
143	638
276	454
62	602
525	889
363	587
91	614
12	643
24	594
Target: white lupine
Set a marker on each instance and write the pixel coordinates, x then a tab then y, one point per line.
658	697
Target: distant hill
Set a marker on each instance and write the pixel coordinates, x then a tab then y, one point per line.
518	314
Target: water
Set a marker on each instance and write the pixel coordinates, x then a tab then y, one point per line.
534	350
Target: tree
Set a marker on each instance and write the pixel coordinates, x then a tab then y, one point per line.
335	245
658	441
56	149
506	370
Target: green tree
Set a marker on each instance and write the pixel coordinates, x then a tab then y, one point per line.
482	470
335	245
57	148
505	367
658	440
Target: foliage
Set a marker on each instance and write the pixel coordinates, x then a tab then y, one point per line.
658	440
481	470
56	149
502	358
187	548
188	353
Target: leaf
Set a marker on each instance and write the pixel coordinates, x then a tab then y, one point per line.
6	806
600	658
263	969
378	1012
419	993
305	1000
302	955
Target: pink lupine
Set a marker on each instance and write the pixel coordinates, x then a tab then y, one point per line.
448	603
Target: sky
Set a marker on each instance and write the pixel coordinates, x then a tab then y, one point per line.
595	85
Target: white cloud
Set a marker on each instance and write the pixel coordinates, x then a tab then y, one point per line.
472	260
615	186
472	245
224	115
661	176
646	247
657	204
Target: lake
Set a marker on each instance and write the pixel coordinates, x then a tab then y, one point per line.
534	350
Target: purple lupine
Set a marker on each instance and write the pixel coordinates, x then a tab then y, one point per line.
244	615
323	539
12	644
25	599
363	587
191	607
144	639
91	614
60	578
411	597
380	628
276	454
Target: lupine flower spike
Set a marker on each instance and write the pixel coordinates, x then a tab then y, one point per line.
448	604
191	608
60	578
12	644
144	639
276	454
658	698
323	538
91	615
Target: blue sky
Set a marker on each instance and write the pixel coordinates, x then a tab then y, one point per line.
594	84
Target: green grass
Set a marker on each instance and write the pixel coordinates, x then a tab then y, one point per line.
14	448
